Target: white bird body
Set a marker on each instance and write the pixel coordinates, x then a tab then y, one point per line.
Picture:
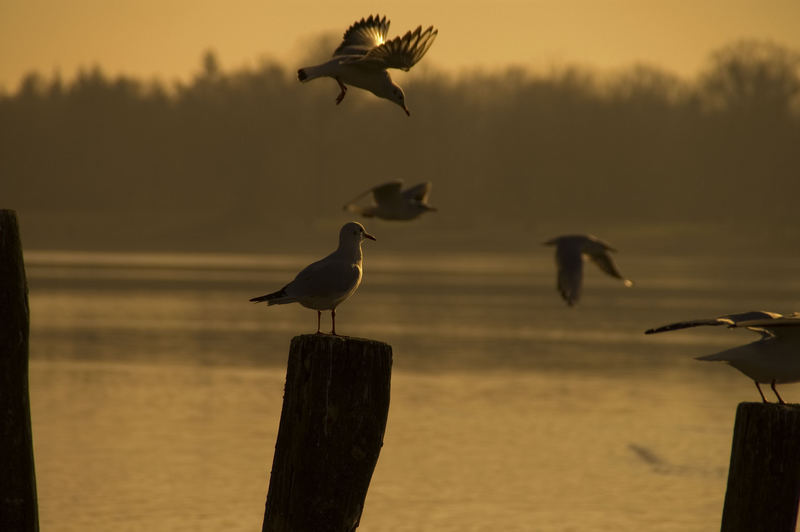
324	284
368	77
570	253
364	55
767	361
773	359
393	203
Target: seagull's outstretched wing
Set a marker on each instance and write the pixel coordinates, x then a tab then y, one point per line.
570	273
363	36
389	189
604	261
753	319
782	327
387	192
402	52
419	192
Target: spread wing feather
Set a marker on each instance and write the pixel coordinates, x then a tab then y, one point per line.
403	52
363	36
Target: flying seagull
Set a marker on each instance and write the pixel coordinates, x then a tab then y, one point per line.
327	282
773	359
364	55
393	203
570	251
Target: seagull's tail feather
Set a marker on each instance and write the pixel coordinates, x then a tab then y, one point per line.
309	73
275	298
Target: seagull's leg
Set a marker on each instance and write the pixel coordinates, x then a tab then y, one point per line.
333	322
760	392
780	399
343	88
319	315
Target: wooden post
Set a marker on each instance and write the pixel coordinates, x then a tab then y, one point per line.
18	505
764	476
335	406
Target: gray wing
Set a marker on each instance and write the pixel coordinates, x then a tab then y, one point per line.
363	36
323	278
387	192
787	328
402	52
380	192
419	192
604	262
731	320
570	273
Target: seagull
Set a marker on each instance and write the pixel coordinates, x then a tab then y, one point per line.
364	55
392	203
773	359
327	282
570	250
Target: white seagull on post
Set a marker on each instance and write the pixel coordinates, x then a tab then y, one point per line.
324	284
393	203
364	55
570	250
773	359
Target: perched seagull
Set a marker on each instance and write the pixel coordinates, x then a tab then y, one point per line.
392	203
365	54
327	282
570	250
773	359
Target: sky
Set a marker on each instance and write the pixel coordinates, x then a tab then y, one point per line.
165	39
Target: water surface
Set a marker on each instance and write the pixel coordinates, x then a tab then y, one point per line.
156	389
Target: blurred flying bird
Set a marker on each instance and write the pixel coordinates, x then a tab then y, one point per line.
773	359
570	251
392	203
327	282
364	55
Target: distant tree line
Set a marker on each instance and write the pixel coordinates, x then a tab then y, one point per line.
230	158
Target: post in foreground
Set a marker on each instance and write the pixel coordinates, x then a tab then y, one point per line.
18	504
764	476
335	407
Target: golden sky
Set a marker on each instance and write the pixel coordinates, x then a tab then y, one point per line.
165	38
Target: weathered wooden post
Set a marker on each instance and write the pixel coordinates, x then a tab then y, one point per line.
18	505
335	407
764	476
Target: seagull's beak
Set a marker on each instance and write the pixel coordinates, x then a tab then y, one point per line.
408	113
367	235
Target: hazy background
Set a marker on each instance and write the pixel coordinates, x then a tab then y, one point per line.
108	143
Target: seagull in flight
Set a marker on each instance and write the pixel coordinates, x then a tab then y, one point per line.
570	252
393	203
324	284
773	359
364	55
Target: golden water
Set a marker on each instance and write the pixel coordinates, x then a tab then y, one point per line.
156	391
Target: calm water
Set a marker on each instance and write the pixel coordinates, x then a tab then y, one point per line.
156	389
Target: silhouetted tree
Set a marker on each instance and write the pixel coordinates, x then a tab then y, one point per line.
219	161
753	76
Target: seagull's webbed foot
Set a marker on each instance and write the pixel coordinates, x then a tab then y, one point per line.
343	89
780	399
